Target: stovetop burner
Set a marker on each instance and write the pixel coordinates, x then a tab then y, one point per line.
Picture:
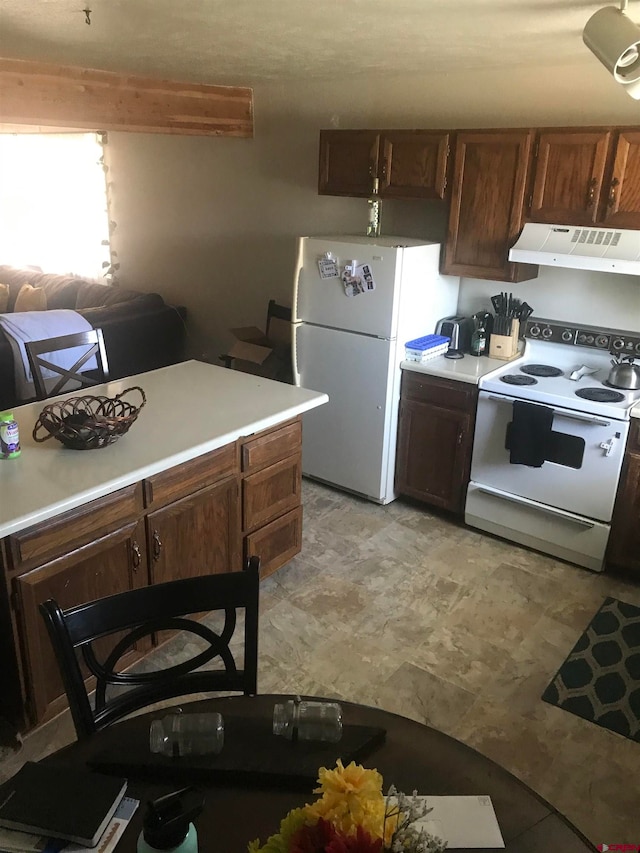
541	370
517	379
600	395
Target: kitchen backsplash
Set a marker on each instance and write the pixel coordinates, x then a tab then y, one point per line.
577	296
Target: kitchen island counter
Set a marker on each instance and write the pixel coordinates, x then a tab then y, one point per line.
192	408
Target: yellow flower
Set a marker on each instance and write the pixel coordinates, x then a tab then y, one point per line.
351	797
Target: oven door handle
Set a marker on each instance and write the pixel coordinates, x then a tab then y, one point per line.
572	416
544	509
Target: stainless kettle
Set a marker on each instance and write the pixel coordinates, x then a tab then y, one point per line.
624	374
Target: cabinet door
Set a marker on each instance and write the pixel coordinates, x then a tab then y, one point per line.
115	563
487	205
434	449
198	535
568	176
348	162
624	540
621	207
413	164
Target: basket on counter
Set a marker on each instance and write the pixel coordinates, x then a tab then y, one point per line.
86	423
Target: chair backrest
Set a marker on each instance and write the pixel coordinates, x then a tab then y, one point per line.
92	344
280	312
143	612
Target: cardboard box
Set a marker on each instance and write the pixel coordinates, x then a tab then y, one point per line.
252	352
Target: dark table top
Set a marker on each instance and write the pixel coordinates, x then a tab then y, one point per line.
412	757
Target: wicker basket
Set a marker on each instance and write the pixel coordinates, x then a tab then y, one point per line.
86	423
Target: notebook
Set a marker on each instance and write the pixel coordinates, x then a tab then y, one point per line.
60	802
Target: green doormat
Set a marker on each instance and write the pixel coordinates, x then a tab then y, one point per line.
600	680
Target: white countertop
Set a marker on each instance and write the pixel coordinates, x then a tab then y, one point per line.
471	368
191	408
635	412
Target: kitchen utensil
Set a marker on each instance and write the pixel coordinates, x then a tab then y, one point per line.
624	374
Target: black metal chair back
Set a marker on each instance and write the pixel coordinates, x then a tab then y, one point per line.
144	612
92	343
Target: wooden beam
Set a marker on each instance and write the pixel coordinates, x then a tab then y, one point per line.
33	93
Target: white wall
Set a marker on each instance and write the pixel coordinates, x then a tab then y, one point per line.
211	222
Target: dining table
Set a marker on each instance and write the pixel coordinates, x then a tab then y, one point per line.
242	806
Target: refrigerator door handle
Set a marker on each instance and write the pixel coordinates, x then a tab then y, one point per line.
296	283
294	354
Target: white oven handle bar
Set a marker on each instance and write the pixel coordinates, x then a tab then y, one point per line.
572	416
565	516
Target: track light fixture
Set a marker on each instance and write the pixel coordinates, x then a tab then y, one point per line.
615	39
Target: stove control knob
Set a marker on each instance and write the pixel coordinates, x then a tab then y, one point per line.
567	335
602	341
582	338
618	343
638	348
546	333
534	331
589	339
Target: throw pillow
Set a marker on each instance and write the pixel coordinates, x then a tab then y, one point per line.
4	298
31	299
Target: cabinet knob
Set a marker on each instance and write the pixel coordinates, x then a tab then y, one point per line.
591	192
157	545
137	556
612	192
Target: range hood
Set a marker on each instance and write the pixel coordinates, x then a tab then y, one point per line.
579	248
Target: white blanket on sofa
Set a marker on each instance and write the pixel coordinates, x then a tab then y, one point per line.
37	326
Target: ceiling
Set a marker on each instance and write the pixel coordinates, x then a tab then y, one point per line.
244	42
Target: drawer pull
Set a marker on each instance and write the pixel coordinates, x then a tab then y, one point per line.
157	546
137	556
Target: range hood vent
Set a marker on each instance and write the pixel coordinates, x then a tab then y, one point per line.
606	249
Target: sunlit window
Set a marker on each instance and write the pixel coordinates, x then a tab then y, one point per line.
53	203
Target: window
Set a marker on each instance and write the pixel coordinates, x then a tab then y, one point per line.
53	203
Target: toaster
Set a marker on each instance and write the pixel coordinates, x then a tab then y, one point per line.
458	330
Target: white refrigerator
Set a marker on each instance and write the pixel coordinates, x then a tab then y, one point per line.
351	347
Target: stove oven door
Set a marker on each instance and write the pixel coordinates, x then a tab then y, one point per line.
587	455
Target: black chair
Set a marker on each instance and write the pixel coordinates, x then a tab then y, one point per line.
274	311
92	343
141	612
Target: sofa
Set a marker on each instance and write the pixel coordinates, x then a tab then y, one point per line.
141	331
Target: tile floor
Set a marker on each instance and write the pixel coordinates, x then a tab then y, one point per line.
408	610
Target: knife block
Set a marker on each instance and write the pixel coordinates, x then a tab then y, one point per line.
505	347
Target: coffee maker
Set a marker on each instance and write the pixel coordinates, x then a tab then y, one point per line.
458	330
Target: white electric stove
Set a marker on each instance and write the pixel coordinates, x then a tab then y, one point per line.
562	501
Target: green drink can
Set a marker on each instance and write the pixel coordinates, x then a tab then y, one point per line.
9	436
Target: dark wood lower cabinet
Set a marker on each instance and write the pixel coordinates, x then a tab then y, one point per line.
201	517
114	563
624	540
435	437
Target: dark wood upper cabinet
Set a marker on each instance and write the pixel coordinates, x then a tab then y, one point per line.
348	162
587	176
621	201
569	176
490	174
407	163
413	164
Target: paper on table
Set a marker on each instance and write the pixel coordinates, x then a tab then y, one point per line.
467	822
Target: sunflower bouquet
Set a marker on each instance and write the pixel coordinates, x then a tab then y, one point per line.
352	815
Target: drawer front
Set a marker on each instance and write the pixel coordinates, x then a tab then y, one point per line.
73	529
447	393
185	479
271	492
269	447
633	442
276	543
